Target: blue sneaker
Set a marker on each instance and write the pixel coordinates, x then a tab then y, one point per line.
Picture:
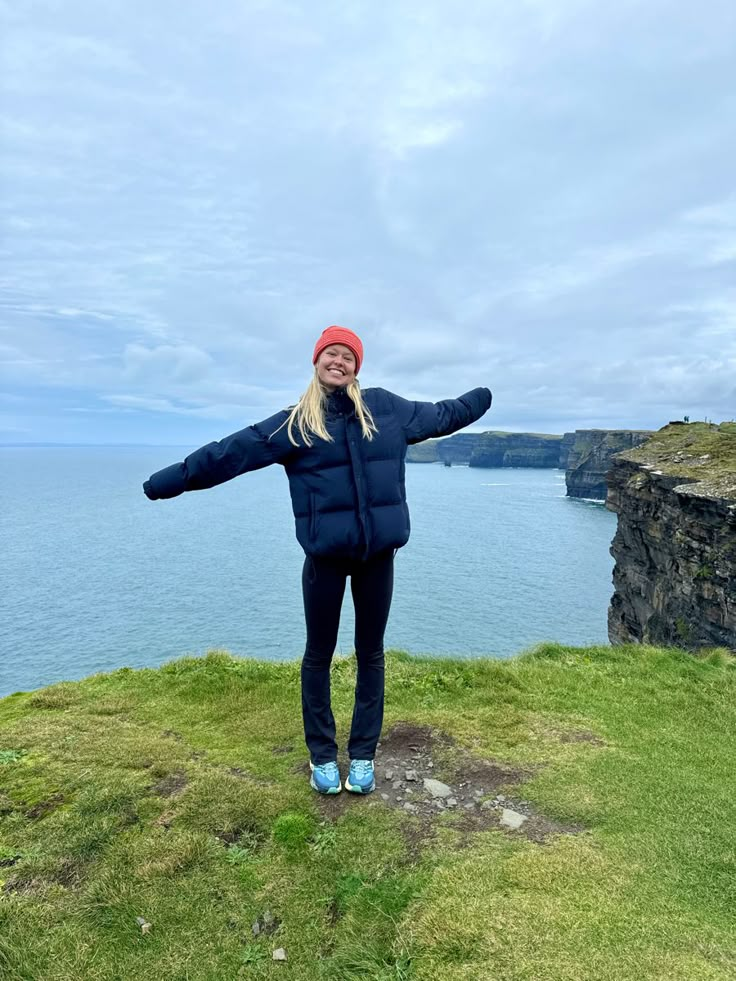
325	778
361	779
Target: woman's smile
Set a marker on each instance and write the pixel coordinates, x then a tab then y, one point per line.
336	366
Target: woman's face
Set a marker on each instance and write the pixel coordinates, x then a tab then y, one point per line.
336	366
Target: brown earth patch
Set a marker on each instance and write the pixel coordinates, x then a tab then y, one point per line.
165	820
68	874
170	785
236	836
23	887
407	755
537	827
281	750
45	807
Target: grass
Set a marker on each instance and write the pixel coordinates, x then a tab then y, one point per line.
178	795
700	451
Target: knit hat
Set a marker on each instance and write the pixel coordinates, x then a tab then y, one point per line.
340	335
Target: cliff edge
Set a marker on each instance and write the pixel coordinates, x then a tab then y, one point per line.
589	458
675	546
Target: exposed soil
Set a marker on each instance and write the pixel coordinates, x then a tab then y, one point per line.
478	790
45	807
68	874
171	784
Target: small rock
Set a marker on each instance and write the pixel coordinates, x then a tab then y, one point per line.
279	954
386	796
470	806
500	798
388	775
451	802
410	807
439	804
256	928
411	775
268	919
488	805
397	785
512	819
477	793
143	924
437	788
430	765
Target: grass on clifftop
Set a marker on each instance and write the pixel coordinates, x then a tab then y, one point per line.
700	451
180	796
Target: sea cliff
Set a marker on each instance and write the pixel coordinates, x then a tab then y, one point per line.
490	449
589	458
675	547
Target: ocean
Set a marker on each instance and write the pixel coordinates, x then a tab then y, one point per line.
95	577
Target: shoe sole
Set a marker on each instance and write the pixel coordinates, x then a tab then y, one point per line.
359	790
329	790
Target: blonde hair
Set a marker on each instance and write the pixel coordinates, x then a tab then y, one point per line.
308	415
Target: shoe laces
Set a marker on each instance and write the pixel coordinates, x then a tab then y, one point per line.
327	770
362	768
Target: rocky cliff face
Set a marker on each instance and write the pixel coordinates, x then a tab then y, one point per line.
589	459
675	547
516	450
492	449
566	445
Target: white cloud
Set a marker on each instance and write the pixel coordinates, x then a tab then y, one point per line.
166	362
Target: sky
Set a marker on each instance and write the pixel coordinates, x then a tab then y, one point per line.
538	197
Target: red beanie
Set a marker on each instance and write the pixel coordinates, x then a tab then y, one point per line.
340	335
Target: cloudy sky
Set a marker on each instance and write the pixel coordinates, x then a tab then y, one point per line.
537	196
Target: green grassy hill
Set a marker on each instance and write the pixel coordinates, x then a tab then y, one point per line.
158	824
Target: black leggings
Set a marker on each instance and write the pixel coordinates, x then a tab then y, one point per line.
323	586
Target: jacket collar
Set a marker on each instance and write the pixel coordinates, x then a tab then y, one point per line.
339	402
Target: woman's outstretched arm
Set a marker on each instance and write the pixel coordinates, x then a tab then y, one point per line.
427	420
248	449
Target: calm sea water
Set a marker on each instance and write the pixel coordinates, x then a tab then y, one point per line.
94	576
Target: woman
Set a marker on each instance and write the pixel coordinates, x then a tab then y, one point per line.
343	450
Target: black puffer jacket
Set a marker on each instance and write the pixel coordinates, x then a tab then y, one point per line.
348	496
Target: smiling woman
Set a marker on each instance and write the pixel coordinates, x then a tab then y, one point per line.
343	451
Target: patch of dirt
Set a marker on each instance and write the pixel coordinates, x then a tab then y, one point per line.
281	750
236	836
69	874
6	863
45	807
165	820
170	785
23	887
408	755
